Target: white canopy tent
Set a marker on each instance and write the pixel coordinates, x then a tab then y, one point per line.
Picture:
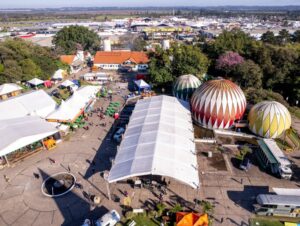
142	84
58	75
67	83
33	103
20	132
159	140
36	82
9	88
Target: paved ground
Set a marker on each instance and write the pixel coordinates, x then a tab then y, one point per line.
231	191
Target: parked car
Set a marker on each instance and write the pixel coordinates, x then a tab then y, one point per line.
109	219
245	164
118	135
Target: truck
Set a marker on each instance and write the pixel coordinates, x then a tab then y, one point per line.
272	158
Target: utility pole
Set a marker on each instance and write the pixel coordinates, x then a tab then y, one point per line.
105	176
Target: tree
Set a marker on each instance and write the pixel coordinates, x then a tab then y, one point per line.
21	60
296	36
228	61
160	67
249	74
283	37
69	38
269	37
188	59
166	65
138	44
235	40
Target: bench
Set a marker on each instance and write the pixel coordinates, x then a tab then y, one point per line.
132	223
138	210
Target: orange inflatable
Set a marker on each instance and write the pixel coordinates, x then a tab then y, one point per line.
191	219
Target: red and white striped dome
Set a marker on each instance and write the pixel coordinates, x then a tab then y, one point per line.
217	104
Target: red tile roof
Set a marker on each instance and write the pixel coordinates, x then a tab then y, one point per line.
68	59
119	57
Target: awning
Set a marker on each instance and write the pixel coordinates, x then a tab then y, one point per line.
159	140
9	88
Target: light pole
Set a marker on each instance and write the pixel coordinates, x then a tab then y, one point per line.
105	176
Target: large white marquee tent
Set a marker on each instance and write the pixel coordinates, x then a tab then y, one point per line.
33	103
159	140
20	132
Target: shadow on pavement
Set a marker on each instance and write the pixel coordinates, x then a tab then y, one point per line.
247	197
74	208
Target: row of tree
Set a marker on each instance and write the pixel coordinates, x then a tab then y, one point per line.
235	55
22	61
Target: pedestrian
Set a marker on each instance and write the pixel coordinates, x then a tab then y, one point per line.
6	178
36	175
69	169
51	160
125	193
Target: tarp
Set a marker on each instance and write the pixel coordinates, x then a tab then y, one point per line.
32	103
141	84
158	138
9	88
20	132
36	82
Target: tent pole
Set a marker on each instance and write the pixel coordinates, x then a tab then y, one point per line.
7	162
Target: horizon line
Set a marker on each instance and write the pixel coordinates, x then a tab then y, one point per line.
126	7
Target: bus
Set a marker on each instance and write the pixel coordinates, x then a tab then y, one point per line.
278	205
271	158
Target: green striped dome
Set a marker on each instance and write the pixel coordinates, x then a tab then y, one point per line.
185	86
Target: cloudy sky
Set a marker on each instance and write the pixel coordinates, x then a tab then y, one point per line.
122	3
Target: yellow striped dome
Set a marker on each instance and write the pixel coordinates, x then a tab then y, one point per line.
269	119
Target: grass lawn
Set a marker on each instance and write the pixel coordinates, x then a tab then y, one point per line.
263	222
145	221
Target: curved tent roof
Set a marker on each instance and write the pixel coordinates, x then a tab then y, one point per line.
19	132
159	140
9	88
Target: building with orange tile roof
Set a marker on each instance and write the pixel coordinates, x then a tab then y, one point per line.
117	59
74	61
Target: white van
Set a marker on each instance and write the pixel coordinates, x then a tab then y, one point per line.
109	219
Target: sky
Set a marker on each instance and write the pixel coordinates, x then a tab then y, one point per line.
137	3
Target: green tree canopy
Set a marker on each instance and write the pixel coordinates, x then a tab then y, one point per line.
269	37
166	65
70	39
21	60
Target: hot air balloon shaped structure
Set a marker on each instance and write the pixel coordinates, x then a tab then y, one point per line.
269	119
185	86
216	104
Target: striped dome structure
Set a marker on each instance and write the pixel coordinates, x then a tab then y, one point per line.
216	104
269	119
185	86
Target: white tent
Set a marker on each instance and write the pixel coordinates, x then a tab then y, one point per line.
58	75
67	83
35	82
20	132
9	88
33	103
73	106
159	140
142	84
